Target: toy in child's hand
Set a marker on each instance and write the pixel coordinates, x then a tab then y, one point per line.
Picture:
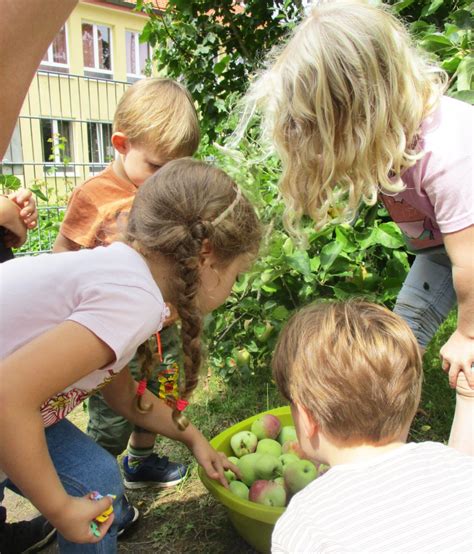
104	516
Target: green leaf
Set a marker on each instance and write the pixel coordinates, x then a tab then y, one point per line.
10	182
465	73
38	193
389	235
433	7
329	253
221	65
299	261
280	313
464	95
401	5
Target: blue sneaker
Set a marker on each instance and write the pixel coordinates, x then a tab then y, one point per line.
130	519
154	471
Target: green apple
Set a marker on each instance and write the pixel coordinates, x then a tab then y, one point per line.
287	433
293	447
268	493
239	489
246	464
243	442
286	459
298	474
266	427
280	481
230	475
243	357
268	467
269	446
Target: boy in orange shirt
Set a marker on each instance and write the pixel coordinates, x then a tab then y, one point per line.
155	122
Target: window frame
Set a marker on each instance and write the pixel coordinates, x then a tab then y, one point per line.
96	70
65	170
97	167
45	64
131	77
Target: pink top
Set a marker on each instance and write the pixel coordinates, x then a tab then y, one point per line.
439	194
110	291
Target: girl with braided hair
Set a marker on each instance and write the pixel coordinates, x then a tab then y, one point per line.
190	233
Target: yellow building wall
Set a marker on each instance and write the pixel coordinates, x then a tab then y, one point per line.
72	96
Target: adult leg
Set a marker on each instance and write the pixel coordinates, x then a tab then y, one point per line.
425	300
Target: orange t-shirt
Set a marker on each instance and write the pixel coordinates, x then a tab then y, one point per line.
98	210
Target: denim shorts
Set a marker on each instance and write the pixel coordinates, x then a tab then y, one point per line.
427	295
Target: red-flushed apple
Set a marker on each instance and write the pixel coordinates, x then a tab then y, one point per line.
293	447
239	489
269	446
243	442
298	474
268	493
268	467
266	427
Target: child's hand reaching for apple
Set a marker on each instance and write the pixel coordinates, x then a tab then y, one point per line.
214	463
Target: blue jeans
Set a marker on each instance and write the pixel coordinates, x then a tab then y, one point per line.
427	295
83	466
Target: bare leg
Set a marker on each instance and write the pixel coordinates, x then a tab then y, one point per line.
462	429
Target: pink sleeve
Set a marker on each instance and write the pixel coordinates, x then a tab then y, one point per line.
447	171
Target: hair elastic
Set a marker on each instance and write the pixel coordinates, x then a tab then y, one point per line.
230	207
181	404
141	387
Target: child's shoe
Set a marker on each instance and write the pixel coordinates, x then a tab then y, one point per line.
26	536
154	471
130	520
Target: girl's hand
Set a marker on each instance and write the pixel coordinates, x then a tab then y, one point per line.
214	463
24	199
458	355
74	522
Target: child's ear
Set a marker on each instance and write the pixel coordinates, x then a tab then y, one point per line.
310	427
121	143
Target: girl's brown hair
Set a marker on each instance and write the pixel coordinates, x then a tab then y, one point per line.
355	366
174	212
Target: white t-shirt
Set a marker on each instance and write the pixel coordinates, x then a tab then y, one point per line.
110	291
417	498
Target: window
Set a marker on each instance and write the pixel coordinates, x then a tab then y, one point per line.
57	145
101	151
97	50
56	56
137	54
12	163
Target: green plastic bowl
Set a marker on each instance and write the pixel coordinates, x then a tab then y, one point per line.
254	522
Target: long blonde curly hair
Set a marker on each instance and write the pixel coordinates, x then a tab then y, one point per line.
343	102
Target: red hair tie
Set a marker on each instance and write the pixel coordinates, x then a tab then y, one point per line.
181	404
141	387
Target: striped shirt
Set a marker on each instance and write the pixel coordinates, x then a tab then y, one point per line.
417	498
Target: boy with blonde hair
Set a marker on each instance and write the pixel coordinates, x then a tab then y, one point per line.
155	122
353	374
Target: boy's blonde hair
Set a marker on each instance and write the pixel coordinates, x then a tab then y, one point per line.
160	114
343	102
355	366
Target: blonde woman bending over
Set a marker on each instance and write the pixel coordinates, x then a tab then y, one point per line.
356	113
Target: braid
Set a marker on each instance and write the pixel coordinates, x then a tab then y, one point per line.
187	285
145	359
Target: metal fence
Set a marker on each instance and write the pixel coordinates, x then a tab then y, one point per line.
62	138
